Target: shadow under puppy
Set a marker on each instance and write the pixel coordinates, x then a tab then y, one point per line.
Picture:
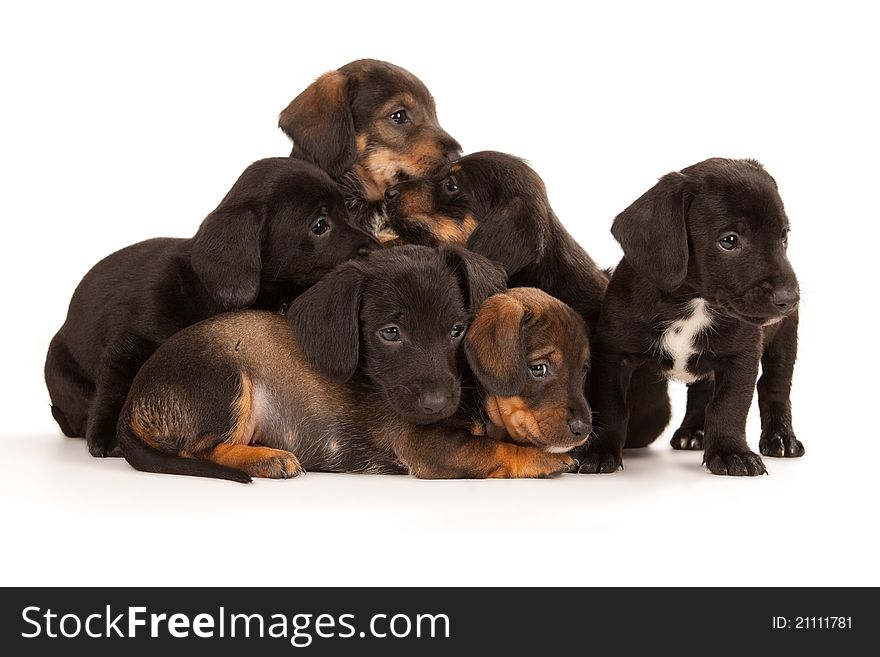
704	293
281	226
369	125
497	206
367	381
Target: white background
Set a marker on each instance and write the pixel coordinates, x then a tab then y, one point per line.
120	124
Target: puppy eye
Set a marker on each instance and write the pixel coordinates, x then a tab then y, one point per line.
451	185
320	227
390	334
538	370
400	117
785	232
729	242
457	331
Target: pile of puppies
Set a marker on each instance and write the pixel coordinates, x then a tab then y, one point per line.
399	308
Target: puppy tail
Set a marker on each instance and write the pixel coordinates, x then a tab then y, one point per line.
146	458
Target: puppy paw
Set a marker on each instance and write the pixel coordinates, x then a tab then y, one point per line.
735	464
110	450
533	463
549	465
282	465
687	439
600	462
780	444
565	464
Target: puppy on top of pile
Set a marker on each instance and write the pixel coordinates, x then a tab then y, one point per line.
378	303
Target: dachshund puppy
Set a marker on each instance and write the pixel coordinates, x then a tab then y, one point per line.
497	206
369	125
704	293
363	382
281	226
530	355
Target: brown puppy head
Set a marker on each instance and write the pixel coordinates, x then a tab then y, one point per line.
372	118
492	202
717	228
282	226
529	352
396	320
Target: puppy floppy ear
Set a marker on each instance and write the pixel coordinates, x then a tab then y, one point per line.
325	322
494	345
226	255
321	125
653	235
478	277
510	235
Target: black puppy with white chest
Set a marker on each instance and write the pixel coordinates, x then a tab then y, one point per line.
704	293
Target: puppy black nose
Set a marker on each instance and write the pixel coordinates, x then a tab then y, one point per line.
433	401
391	193
785	299
579	428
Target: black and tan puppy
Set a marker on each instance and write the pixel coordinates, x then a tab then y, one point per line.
704	293
530	355
497	206
367	381
281	226
369	125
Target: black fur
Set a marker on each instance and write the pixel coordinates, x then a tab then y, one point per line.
674	240
517	227
258	247
328	322
370	419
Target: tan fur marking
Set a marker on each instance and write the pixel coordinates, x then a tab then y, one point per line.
448	230
494	332
257	461
142	431
515	462
314	102
243	429
378	168
516	417
362	140
388	238
162	419
425	156
554	356
415	200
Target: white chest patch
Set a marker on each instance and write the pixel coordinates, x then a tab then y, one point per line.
679	339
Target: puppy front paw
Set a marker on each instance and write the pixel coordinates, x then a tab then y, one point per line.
105	450
532	463
780	443
687	439
275	464
735	464
600	461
